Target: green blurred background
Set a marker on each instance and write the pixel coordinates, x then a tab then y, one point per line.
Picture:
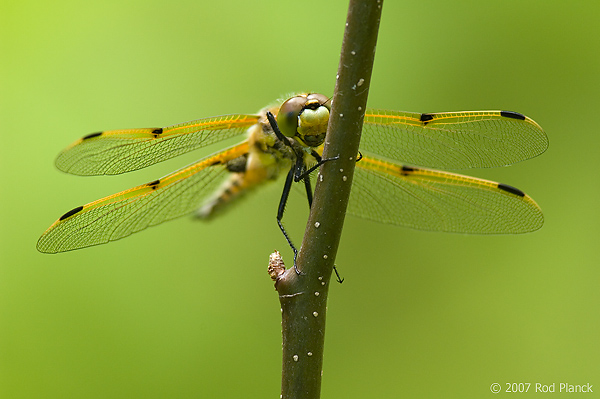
187	310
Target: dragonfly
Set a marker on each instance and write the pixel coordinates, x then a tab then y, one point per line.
397	178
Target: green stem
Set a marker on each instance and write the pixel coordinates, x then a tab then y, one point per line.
304	297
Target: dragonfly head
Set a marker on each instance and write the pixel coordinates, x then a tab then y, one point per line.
305	117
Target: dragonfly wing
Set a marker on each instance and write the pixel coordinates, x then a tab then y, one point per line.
427	199
453	140
118	151
130	211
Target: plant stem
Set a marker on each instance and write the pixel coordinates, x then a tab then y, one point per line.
304	297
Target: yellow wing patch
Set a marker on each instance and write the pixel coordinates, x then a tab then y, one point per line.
118	151
129	211
434	200
453	140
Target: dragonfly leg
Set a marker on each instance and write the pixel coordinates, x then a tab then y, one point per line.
306	172
337	275
309	192
275	127
281	209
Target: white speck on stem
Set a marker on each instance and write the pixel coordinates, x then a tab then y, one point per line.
322	282
353	52
320	277
360	82
325	256
309	353
317	293
360	108
341	115
295	357
344	178
341	170
291	295
315	314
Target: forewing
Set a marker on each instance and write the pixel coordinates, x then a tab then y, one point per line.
453	140
433	200
130	211
118	151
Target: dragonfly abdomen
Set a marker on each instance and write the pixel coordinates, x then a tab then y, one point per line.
264	162
233	188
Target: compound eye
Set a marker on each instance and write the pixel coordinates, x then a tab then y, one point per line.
287	117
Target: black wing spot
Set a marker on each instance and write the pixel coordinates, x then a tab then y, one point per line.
426	118
360	156
512	115
157	132
511	189
153	184
71	213
406	170
92	135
